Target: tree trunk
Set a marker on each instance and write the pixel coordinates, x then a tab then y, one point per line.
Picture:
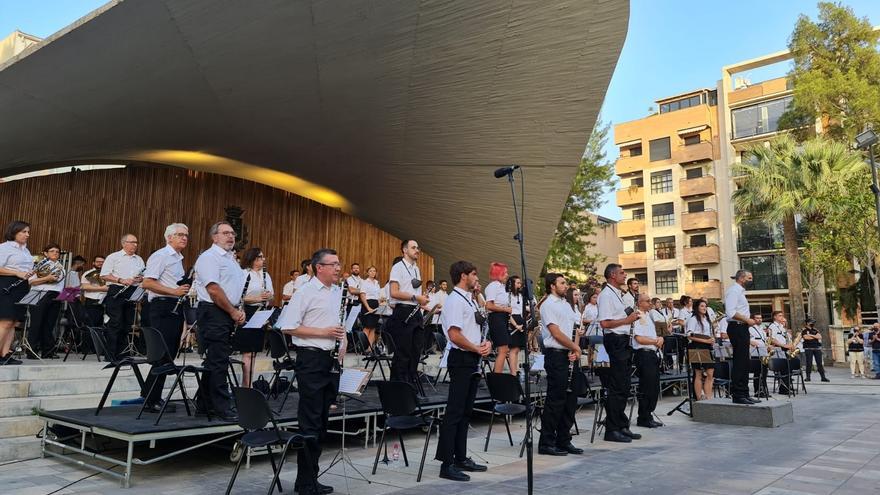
793	265
819	311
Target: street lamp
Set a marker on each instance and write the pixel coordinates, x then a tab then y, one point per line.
866	141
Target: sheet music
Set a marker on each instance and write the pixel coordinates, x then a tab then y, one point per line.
285	319
353	380
259	318
538	363
602	354
352	317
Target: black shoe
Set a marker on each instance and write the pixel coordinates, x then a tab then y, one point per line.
571	449
31	355
229	416
548	450
468	464
807	379
317	489
616	436
743	400
11	361
627	432
755	400
155	408
825	379
450	472
648	424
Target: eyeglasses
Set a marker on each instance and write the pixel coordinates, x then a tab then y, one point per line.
228	232
335	263
181	234
130	242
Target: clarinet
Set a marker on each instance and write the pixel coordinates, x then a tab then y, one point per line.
337	365
247	283
187	280
127	286
264	304
574	331
37	266
484	333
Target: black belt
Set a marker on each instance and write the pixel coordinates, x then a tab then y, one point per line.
642	349
312	349
553	349
164	299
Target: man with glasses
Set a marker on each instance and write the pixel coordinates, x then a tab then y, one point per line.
405	289
121	269
164	280
220	283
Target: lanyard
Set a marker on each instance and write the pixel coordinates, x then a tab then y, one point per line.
470	303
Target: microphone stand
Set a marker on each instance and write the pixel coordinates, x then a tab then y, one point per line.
526	294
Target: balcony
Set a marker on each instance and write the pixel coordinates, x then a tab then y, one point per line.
630	196
700	186
631	228
702	255
701	220
629	164
693	153
633	260
709	290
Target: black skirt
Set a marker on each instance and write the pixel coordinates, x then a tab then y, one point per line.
700	345
8	309
249	339
370	320
499	333
517	339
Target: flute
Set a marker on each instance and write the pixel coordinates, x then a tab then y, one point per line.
337	365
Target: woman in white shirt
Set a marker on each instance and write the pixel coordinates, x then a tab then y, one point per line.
699	333
259	294
498	306
16	264
369	297
516	325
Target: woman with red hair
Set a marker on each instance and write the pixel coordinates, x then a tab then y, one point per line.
498	305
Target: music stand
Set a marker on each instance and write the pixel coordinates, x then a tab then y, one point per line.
30	300
699	358
133	294
352	382
762	391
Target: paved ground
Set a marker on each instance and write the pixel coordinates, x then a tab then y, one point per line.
833	447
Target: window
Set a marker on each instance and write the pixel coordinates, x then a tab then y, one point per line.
659	149
694	173
681	104
712	97
666	282
755	235
692	140
662	215
664	248
638	214
760	118
640	246
768	271
642	278
637	182
635	151
661	182
697	240
698	276
664	108
695	206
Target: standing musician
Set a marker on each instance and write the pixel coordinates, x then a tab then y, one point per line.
516	324
354	287
121	269
700	336
369	296
679	320
436	300
405	290
287	290
45	314
739	319
631	294
164	281
780	339
498	306
758	340
219	285
301	280
259	295
312	321
16	267
616	322
94	290
812	340
561	352
646	344
462	323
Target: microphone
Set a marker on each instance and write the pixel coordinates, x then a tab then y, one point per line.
503	171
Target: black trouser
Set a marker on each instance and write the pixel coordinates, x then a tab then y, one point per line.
560	405
739	376
121	318
317	390
95	312
170	326
464	378
408	343
41	332
759	382
674	345
215	331
617	381
647	364
811	353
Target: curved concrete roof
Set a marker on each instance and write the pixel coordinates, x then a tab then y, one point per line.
397	111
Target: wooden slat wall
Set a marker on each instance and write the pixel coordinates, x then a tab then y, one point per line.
87	212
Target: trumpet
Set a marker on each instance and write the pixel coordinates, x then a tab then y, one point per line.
337	364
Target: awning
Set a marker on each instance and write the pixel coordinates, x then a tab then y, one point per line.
627	144
691	130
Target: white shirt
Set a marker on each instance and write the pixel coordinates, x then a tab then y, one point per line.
556	311
629	299
14	256
256	286
612	307
644	327
459	312
300	281
658	316
314	305
354	282
166	267
121	265
779	337
735	302
370	289
384	293
683	314
692	327
516	303
94	295
72	279
287	290
50	286
403	273
495	292
435	298
755	333
217	266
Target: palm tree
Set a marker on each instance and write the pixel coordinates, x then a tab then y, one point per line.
784	180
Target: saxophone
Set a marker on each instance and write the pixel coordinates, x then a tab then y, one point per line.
794	352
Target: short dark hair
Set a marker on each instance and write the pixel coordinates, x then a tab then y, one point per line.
304	263
250	255
631	280
98	256
51	245
441	282
773	315
318	256
355	264
460	268
292	272
756	314
78	258
396	260
610	268
655	300
404	243
551	279
14	228
684	299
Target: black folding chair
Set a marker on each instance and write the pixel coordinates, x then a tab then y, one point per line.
402	412
722	378
282	361
780	369
161	358
797	373
376	357
506	395
117	365
254	415
440	338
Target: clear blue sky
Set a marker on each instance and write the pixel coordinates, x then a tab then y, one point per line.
672	45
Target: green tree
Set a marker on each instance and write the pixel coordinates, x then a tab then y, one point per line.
784	180
571	252
836	73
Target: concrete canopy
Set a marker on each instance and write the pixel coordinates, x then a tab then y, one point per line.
398	110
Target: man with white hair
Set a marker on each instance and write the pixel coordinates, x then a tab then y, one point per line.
121	269
165	282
